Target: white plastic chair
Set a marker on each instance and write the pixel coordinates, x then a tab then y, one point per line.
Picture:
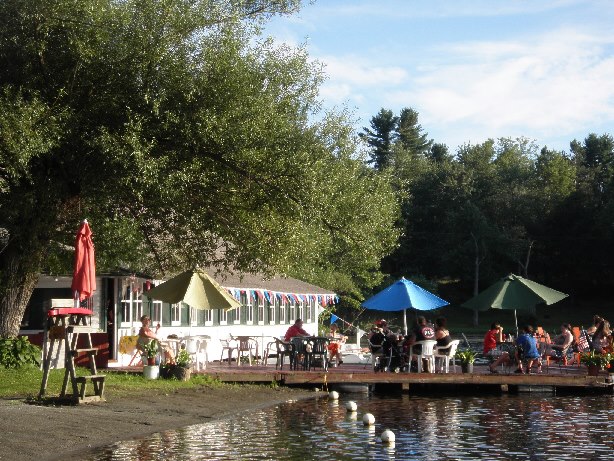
426	353
228	346
446	354
197	348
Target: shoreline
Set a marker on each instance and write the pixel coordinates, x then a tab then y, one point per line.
49	432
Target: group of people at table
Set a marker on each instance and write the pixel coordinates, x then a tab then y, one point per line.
335	338
529	348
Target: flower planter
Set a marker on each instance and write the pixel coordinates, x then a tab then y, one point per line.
151	371
467	367
151	361
182	373
593	370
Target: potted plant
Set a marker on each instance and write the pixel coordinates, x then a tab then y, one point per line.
594	361
182	369
150	351
466	358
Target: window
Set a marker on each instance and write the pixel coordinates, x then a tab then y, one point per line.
282	311
272	309
246	300
131	306
223	317
301	310
193	316
156	313
260	302
308	315
292	311
176	314
209	317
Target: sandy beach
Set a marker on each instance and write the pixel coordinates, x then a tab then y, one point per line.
45	433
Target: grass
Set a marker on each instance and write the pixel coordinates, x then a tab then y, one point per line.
24	383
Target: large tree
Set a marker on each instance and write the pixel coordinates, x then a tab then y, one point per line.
184	138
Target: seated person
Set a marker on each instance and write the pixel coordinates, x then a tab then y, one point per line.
376	340
423	331
295	330
527	350
442	335
561	342
336	341
492	338
146	335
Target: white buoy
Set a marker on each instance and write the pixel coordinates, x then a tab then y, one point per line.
368	419
333	395
351	406
388	436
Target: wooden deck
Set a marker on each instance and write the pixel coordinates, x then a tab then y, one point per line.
556	379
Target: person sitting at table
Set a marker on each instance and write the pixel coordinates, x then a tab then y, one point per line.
492	338
527	350
442	335
561	342
600	341
295	330
423	331
146	335
336	341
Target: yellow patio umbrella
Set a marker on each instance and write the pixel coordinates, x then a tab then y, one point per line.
196	289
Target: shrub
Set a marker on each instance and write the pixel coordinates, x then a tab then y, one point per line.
18	352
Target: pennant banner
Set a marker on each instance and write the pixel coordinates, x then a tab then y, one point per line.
333	318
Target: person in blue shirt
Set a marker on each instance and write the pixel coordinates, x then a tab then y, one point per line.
527	350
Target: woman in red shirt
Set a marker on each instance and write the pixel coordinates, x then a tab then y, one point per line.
493	337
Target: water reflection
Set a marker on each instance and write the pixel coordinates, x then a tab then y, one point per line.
426	428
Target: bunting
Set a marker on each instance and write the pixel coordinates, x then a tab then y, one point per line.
285	297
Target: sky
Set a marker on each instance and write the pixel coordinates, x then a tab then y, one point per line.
473	69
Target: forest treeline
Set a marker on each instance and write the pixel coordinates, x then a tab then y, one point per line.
505	205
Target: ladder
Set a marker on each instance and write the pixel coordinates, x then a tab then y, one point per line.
66	325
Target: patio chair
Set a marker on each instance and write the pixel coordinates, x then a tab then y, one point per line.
446	354
426	353
228	347
317	354
246	347
299	352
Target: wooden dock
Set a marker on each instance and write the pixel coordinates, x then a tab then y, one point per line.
571	379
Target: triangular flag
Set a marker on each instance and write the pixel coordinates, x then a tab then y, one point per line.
333	318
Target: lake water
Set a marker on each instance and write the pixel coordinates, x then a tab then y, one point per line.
524	427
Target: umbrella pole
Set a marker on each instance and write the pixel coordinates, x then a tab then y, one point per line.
405	321
516	321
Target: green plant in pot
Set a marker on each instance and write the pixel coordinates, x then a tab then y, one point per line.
150	351
182	369
466	359
595	361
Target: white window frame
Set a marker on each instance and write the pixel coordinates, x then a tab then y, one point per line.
236	316
176	315
156	315
260	303
309	314
283	310
301	311
249	308
292	315
223	317
193	316
208	317
272	311
132	307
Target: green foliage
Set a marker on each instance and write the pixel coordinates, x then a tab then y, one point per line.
183	359
151	349
595	358
185	137
18	352
466	356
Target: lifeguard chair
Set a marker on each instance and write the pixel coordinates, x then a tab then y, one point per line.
63	327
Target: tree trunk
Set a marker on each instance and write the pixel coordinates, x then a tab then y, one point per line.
20	265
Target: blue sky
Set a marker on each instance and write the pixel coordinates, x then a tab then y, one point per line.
473	69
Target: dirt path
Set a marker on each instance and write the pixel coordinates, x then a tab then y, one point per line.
45	433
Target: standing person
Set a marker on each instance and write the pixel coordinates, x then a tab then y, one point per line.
295	330
601	337
336	341
527	350
492	338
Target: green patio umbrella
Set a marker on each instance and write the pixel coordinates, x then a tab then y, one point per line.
194	288
514	293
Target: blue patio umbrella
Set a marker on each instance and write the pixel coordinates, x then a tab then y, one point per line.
402	295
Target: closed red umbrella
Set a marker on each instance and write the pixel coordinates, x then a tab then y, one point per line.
84	274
